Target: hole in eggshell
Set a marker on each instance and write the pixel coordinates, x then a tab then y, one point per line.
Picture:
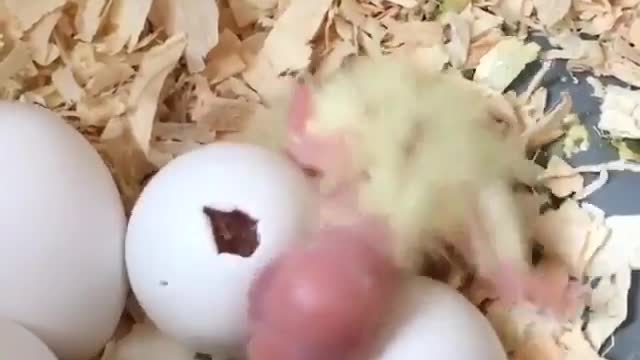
164	283
234	231
202	356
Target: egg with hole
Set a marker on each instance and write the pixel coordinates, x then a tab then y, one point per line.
202	228
62	227
18	343
431	320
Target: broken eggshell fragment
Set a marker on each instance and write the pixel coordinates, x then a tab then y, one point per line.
202	228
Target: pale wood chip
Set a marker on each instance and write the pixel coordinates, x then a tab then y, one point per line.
405	3
145	89
251	46
483	22
82	59
89	18
42	51
128	162
481	46
633	34
234	87
225	60
28	13
286	49
562	186
460	39
108	76
127	19
511	10
353	12
18	58
624	70
244	12
198	19
66	84
502	64
620	112
550	127
550	12
415	33
97	111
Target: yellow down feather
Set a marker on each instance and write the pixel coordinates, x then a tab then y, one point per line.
424	140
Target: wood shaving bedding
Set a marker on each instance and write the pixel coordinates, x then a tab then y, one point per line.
145	81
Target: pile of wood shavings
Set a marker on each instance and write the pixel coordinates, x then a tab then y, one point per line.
147	80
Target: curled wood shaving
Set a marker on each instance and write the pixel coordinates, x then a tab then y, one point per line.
198	19
620	112
154	68
563	186
146	80
126	20
89	17
44	52
27	13
502	64
286	49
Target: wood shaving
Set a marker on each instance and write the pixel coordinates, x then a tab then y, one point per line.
42	51
549	126
89	17
551	12
145	89
28	13
145	342
502	64
146	81
198	19
286	49
126	20
563	186
620	112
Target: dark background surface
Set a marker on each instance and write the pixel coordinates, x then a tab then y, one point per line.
621	194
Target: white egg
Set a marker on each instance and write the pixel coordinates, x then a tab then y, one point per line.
192	289
62	227
18	343
434	321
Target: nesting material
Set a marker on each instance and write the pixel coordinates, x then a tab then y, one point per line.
146	81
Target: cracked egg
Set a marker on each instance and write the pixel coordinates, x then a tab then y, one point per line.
202	228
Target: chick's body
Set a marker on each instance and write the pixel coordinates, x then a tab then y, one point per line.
425	150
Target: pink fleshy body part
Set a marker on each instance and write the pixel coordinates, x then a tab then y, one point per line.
328	154
554	294
326	298
514	281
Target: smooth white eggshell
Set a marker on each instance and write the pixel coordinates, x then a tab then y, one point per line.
191	292
434	321
18	343
62	227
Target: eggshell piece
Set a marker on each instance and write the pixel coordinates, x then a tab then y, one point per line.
433	321
62	227
189	288
16	342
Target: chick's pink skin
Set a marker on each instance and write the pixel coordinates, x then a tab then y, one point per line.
327	154
322	301
515	282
